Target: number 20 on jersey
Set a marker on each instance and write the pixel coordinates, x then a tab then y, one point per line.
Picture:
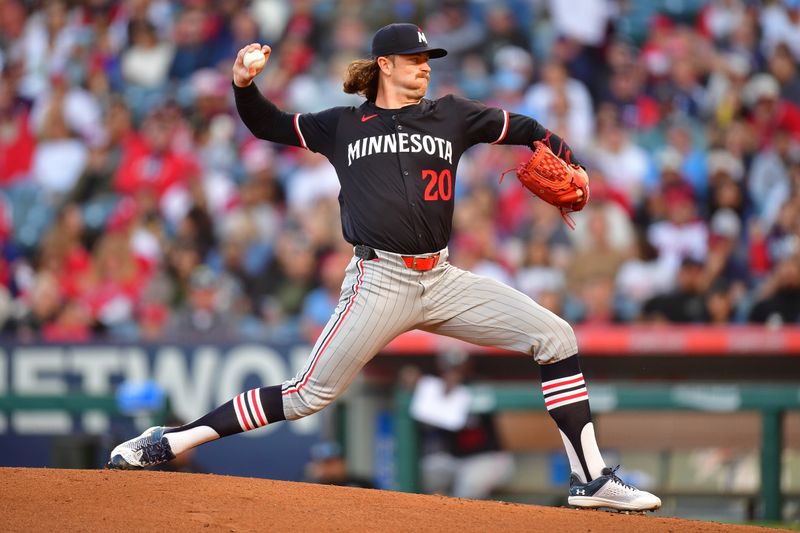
440	186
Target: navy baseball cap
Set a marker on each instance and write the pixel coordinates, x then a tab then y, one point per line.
403	38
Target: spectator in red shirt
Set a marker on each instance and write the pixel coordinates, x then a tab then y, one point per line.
17	143
149	163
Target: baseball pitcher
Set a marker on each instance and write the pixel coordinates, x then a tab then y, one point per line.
396	157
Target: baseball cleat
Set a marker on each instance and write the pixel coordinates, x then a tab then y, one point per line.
611	492
148	449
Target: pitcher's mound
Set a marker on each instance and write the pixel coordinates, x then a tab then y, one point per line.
108	501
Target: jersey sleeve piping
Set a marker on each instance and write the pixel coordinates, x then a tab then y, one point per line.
299	133
505	128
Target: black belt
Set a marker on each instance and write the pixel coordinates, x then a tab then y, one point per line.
365	252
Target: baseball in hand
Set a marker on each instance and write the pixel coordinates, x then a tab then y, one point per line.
254	59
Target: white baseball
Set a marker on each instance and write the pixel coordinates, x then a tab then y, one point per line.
254	59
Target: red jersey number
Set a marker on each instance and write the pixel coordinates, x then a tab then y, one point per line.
440	186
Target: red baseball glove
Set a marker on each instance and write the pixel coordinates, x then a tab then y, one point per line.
555	181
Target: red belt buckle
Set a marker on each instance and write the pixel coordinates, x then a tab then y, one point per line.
421	263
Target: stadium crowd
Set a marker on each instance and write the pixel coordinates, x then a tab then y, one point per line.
134	205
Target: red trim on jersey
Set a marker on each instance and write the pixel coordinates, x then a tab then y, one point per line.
243	413
297	130
550	386
505	127
565	398
256	410
297	388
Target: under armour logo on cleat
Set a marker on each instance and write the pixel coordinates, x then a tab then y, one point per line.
580	492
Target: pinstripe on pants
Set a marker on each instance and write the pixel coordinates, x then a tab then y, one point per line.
382	298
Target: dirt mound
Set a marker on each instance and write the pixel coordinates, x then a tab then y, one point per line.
97	500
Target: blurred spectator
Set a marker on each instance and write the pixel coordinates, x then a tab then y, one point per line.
682	235
45	47
780	23
18	142
145	66
314	179
768	114
768	183
783	66
453	29
462	455
622	162
597	256
725	85
193	44
597	300
60	154
641	278
71	324
319	304
780	296
150	164
113	286
328	467
687	303
476	251
537	274
204	318
39	306
541	98
287	279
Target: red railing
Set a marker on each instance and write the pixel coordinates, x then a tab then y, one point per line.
641	340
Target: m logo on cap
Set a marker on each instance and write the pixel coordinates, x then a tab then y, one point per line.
421	37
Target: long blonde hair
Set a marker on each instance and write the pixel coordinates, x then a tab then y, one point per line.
362	78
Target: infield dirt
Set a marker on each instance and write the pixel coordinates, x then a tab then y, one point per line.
99	500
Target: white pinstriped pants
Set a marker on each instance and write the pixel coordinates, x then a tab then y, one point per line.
382	298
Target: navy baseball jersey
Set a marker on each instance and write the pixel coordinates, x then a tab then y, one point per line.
396	167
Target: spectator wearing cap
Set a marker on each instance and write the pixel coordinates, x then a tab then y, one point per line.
202	318
329	467
725	182
682	234
727	264
729	73
686	303
769	114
